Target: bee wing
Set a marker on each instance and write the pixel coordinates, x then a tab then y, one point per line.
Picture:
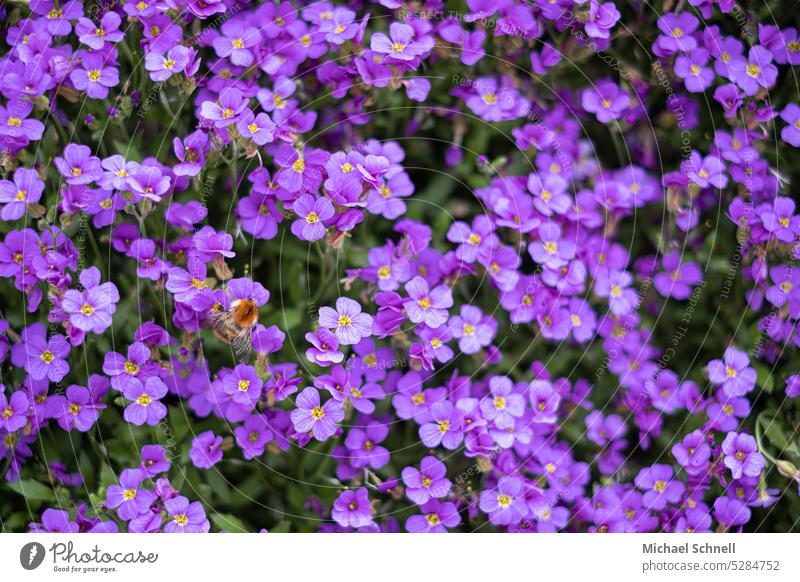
241	344
223	322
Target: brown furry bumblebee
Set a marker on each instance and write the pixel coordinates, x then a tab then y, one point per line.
234	326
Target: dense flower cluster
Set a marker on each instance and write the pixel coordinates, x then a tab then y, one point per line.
506	349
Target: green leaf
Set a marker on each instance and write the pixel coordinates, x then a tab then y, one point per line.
228	522
31	489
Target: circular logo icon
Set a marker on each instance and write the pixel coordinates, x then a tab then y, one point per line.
31	555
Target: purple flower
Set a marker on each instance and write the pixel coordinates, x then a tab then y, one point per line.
364	447
14	121
253	436
339	26
473	330
236	41
693	453
163	66
313	213
352	508
325	348
78	166
742	456
14	410
732	373
427	482
243	386
310	416
154	460
505	504
779	219
46	358
791	132
55	521
94	76
705	172
347	321
545	400
260	128
472	241
95	36
678	279
127	497
502	405
145	407
436	518
91	309
426	305
550	250
186	517
607	101
445	428
226	110
730	511
615	285
26	189
128	373
693	70
399	45
206	450
659	486
78	409
757	71
677	32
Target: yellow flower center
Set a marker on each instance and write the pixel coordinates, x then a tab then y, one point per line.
312	218
244	385
299	165
384	272
469	329
347	168
55	13
317	413
504	500
474	238
753	70
490	98
444	426
432	519
20	196
7	413
660	486
144	399
436	342
238	43
181	519
198	283
14	122
425	303
499	402
87	309
339	29
344	321
169	63
677	32
616	290
47	356
730	372
398	47
418	399
129	494
94	75
550	248
131	368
